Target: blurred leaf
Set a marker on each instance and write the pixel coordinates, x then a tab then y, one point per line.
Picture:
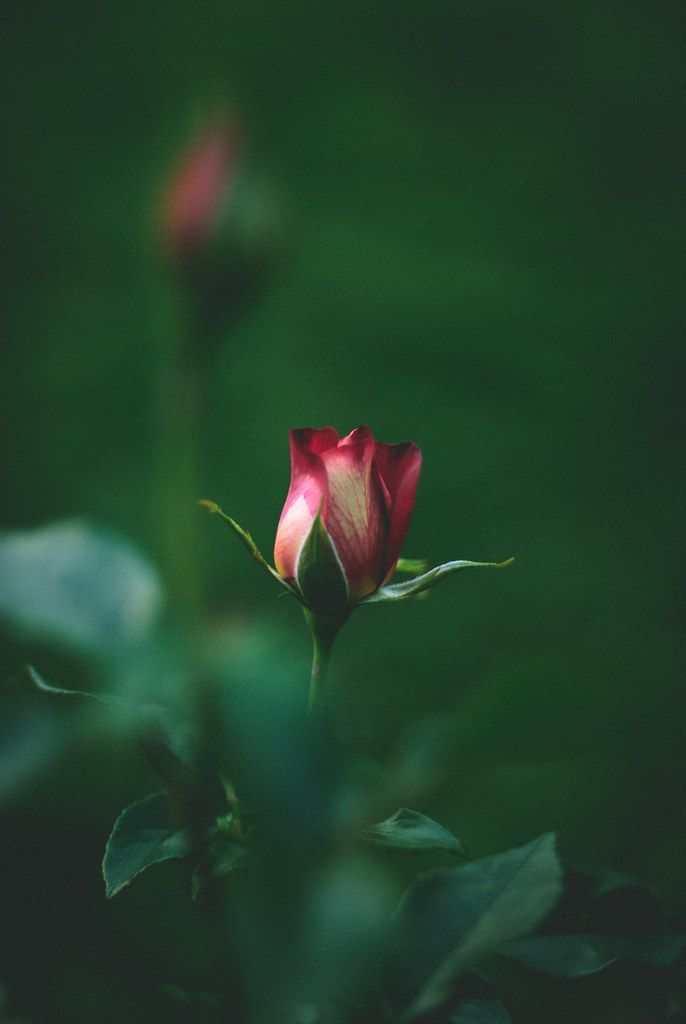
153	723
29	738
173	771
574	956
410	830
402	591
222	857
606	902
450	917
479	1003
110	700
480	1011
144	833
77	584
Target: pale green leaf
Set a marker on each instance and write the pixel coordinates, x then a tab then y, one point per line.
403	591
78	584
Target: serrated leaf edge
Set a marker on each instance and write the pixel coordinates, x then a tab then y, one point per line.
109	891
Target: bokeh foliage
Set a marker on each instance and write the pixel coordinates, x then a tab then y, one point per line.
483	250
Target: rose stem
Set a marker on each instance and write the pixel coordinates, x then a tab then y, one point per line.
324	629
180	408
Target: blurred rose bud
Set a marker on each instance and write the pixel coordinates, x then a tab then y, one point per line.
219	224
201	184
346	514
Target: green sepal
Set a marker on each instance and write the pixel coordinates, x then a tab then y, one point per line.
319	573
410	830
403	591
247	542
145	833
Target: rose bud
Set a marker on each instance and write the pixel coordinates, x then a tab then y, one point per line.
346	514
218	223
341	529
200	184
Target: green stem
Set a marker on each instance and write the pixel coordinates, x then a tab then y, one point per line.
321	656
181	400
324	629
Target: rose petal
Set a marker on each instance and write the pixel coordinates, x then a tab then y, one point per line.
398	466
357	435
355	516
311	439
307	492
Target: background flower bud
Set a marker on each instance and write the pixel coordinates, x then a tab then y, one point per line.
363	491
199	187
219	224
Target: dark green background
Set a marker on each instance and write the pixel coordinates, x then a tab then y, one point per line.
483	254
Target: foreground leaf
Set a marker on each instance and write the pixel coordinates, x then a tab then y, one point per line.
478	1003
77	584
605	902
403	591
108	699
410	830
144	833
150	721
574	956
452	916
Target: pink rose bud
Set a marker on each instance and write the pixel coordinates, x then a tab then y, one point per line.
220	224
346	514
199	188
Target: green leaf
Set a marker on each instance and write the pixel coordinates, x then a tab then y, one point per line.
478	1003
319	572
574	956
78	584
476	1010
248	543
410	830
403	591
144	833
110	700
452	916
606	902
145	718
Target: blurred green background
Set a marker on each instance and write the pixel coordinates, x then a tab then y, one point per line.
483	241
